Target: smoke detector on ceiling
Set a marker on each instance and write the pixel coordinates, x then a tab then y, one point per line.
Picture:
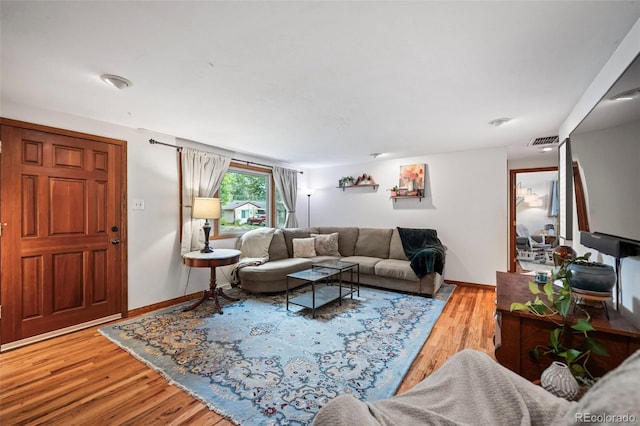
547	141
116	81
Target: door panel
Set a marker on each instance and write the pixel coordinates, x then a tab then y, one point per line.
62	193
67	214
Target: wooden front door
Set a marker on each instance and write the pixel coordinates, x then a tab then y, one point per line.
63	215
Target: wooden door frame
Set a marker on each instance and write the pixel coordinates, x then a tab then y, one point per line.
124	308
512	209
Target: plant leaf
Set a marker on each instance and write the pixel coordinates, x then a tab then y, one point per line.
533	287
595	346
539	307
534	354
548	289
518	307
577	370
583	325
554	339
563	308
571	355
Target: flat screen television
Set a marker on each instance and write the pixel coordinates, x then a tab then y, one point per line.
605	150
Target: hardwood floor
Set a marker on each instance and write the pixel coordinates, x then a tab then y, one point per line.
83	378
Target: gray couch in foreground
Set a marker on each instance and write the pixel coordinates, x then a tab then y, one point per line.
379	252
473	389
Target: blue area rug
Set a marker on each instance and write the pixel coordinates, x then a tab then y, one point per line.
259	364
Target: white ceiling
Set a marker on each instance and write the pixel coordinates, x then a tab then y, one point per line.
316	82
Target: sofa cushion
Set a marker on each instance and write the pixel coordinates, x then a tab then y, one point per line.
255	243
319	259
347	237
394	268
274	270
373	242
396	250
278	247
304	247
326	244
367	264
291	233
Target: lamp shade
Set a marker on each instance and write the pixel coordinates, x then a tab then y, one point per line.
205	208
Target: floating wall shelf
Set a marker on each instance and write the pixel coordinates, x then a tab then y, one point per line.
369	185
395	199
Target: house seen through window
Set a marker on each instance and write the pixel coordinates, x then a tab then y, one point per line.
247	196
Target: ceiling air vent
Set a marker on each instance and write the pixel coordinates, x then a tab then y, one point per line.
546	141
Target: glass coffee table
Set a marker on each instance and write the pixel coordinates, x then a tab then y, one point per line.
326	284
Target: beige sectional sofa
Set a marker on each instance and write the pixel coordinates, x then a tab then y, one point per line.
379	252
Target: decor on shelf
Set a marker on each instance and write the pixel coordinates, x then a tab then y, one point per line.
557	307
206	208
403	193
346	181
412	178
521	191
394	191
558	380
532	199
365	179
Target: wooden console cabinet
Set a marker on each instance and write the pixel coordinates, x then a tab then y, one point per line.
518	332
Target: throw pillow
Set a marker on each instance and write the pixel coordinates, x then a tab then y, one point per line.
255	243
304	247
326	244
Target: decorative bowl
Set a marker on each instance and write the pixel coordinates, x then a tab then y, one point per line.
592	276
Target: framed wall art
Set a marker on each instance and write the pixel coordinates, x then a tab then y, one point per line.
412	178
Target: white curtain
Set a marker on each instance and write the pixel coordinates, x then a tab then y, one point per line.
202	173
287	183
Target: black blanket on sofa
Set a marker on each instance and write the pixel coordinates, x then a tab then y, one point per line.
424	250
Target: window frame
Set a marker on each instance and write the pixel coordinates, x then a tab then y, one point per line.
237	167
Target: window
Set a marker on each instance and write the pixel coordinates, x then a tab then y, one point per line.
247	196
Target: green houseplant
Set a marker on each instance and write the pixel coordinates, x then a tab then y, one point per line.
346	181
555	302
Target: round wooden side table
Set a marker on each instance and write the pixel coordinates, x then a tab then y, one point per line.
219	257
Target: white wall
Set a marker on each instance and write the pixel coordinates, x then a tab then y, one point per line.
626	52
466	203
547	159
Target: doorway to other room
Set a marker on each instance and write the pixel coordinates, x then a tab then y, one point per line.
533	210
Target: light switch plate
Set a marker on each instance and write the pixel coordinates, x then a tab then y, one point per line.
137	204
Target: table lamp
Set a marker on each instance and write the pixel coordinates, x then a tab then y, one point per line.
206	208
